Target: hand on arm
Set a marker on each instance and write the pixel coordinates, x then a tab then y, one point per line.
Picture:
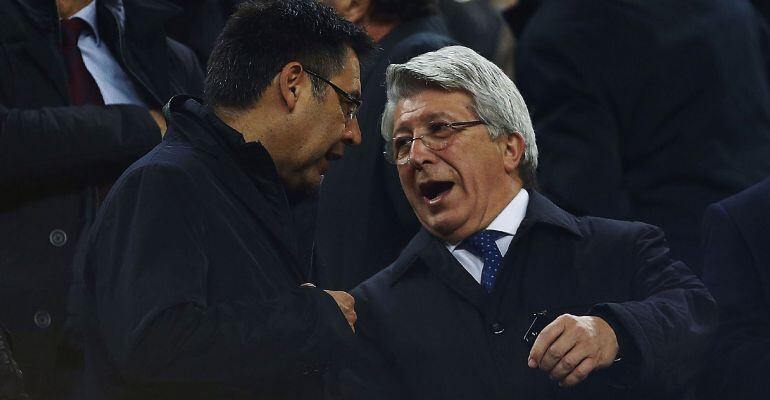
345	302
571	347
160	120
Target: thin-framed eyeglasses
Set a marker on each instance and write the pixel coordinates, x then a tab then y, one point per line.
399	150
353	102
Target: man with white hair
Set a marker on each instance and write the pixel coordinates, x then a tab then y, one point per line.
502	294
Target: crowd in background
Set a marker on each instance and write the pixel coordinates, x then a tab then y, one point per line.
654	111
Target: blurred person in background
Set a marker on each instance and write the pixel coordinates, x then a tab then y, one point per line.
479	25
363	219
647	110
81	87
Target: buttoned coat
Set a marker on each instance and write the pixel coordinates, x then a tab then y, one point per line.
441	337
53	156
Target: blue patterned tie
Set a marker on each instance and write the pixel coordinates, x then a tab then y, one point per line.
483	245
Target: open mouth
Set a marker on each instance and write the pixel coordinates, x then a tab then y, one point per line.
434	191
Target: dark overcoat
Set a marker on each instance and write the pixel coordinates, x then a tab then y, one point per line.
364	220
192	278
737	272
443	338
52	157
645	111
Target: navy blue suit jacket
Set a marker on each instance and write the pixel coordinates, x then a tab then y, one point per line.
440	337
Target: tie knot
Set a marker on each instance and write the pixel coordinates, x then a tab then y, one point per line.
71	30
483	242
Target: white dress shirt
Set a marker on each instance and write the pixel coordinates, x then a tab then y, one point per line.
507	221
114	84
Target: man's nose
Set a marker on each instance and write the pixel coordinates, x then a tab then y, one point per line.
419	153
352	134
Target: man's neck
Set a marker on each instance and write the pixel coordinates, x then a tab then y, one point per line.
68	8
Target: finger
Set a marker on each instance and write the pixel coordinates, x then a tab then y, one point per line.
544	340
570	361
556	352
307	284
579	374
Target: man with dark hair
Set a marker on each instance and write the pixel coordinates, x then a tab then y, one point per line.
355	239
191	271
82	83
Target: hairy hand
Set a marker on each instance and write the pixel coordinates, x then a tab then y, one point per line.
571	347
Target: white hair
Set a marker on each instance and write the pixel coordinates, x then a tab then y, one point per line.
496	100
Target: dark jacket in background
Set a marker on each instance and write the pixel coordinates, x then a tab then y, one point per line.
648	110
198	25
478	25
192	277
364	219
445	339
53	155
737	272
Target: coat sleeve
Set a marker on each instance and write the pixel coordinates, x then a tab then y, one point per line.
669	322
579	165
741	354
372	373
148	270
40	146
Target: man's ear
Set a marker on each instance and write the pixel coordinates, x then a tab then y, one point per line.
513	152
292	81
356	11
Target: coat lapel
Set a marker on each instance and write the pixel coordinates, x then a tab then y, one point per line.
441	262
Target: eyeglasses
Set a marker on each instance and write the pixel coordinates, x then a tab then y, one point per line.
399	151
354	103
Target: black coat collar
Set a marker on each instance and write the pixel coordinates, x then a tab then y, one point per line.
246	169
423	247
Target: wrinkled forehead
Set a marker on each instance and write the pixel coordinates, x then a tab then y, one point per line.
433	104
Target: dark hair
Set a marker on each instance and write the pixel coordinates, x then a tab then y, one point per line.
402	10
264	35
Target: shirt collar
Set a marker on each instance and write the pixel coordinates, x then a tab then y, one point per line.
88	14
509	220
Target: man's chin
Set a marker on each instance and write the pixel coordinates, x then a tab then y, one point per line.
304	190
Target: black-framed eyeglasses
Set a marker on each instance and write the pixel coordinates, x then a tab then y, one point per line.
354	103
399	150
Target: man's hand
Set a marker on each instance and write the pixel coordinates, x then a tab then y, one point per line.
345	302
571	347
160	120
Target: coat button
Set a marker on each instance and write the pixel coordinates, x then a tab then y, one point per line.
42	319
497	328
58	237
